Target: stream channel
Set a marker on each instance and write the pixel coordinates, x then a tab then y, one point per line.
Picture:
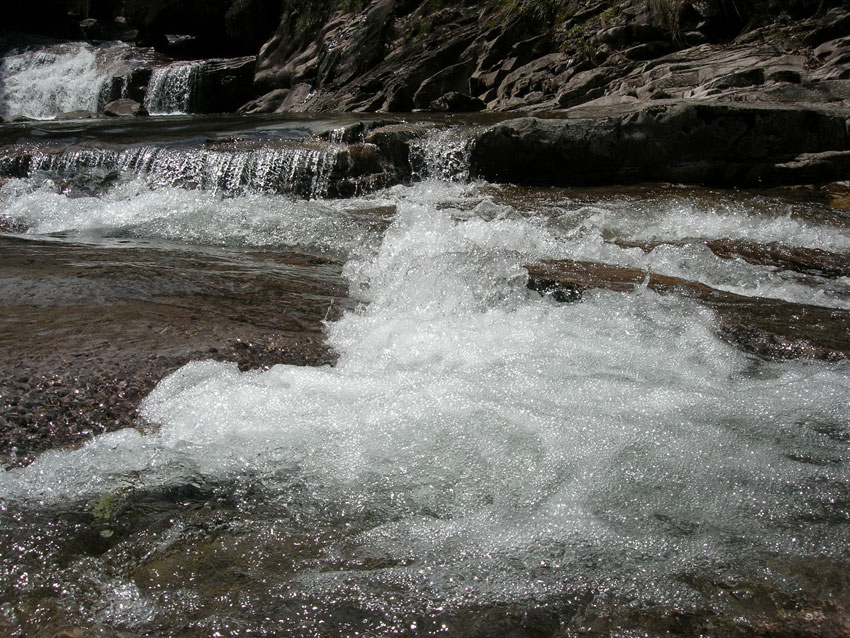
286	413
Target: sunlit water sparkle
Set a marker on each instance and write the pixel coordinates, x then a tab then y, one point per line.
476	445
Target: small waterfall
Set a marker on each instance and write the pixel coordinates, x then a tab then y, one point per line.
36	84
443	154
172	88
304	170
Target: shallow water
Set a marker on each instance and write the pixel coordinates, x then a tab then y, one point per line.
480	459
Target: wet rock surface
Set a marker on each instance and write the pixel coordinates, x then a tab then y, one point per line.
584	58
812	261
90	330
124	107
680	141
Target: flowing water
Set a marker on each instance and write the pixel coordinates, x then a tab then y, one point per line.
172	88
480	459
41	83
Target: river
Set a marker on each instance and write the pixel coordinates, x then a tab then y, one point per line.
464	456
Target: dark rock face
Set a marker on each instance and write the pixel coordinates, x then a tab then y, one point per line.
680	142
456	102
249	23
46	17
367	62
95	29
397	56
224	85
346	46
201	18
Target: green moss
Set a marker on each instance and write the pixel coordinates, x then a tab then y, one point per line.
609	15
538	13
106	505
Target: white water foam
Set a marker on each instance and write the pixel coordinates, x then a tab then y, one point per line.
134	209
558	228
675	228
487	431
37	84
674	218
302	167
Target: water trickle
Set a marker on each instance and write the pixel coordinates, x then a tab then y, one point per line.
338	135
172	88
443	154
292	168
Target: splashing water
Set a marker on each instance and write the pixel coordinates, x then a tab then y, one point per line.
443	154
172	88
35	84
477	445
477	451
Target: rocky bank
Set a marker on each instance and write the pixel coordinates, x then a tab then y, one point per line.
526	55
698	91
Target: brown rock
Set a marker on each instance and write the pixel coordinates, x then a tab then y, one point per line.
124	107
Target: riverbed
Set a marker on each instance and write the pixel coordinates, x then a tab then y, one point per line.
235	407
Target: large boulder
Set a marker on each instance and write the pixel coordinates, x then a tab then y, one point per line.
700	143
224	85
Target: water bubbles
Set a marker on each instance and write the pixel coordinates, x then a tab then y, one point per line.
479	452
443	154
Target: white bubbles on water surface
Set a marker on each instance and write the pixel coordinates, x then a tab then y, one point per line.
476	444
478	426
134	209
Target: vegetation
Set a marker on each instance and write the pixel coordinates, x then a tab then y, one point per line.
308	16
537	12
